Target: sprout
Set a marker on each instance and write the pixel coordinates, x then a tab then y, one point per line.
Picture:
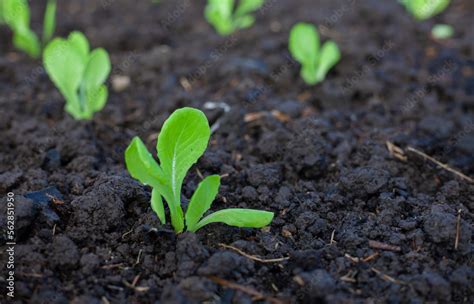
78	73
182	141
425	9
315	61
221	14
16	14
442	31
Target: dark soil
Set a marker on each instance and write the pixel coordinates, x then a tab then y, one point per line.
316	156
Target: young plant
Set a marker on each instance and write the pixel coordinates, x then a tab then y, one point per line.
442	31
305	48
425	9
182	140
16	14
226	20
78	73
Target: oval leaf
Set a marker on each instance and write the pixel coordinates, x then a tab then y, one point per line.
237	217
157	205
140	163
330	55
304	43
202	200
182	141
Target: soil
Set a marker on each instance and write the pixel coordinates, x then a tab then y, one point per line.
316	156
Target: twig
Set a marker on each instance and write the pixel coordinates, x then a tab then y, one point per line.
444	166
245	289
383	246
349	277
386	277
332	241
370	257
110	266
138	257
252	257
458	230
398	152
395	151
356	260
105	300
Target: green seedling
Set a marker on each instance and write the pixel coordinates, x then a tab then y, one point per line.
182	141
305	48
226	20
16	14
442	31
425	9
78	73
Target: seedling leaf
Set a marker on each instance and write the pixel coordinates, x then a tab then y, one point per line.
226	20
182	140
202	200
425	9
78	74
316	61
238	217
157	205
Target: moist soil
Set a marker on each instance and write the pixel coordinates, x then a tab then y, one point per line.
316	156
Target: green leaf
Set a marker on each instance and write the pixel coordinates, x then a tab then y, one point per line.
304	43
16	14
65	67
182	141
96	99
219	14
79	43
425	9
78	74
157	205
238	217
28	42
141	165
244	21
49	22
248	6
97	69
202	200
329	56
442	31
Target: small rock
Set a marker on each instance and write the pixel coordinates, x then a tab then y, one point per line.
120	82
42	201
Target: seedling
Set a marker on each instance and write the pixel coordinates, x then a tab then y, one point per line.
226	20
16	14
78	73
442	31
305	48
182	141
425	9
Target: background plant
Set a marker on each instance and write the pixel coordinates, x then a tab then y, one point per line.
226	20
425	9
305	47
78	73
16	14
182	141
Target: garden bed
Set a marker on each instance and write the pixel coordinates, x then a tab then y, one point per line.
361	213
